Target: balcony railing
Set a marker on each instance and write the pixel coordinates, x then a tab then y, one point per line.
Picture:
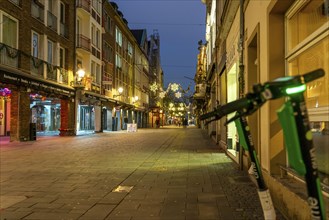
63	76
108	68
17	2
83	42
52	21
63	30
8	55
37	11
85	4
95	52
37	67
51	72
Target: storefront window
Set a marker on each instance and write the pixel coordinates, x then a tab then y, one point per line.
309	51
231	96
305	21
45	113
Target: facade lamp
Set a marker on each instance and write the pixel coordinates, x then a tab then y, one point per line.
79	76
120	91
135	99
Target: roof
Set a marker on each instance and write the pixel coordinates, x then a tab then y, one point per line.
140	35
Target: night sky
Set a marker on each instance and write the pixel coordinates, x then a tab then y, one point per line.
180	24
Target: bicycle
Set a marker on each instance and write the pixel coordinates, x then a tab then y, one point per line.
294	120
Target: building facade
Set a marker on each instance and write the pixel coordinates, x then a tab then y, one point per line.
141	78
261	41
155	79
61	66
37	46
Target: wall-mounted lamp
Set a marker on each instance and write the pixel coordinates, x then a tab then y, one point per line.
79	76
135	99
120	91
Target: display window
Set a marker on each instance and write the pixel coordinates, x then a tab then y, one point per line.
308	49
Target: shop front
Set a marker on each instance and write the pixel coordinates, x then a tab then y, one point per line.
5	103
45	114
31	107
232	72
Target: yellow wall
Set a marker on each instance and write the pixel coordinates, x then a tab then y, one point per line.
256	14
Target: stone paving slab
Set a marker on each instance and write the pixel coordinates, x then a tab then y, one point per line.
167	174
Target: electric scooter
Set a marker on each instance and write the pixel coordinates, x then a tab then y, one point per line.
294	120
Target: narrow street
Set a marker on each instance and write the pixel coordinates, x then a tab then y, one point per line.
168	173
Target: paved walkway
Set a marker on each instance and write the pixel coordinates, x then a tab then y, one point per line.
169	173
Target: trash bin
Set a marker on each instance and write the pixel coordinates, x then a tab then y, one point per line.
33	131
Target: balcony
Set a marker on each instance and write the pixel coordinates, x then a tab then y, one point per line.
84	4
83	42
37	11
52	21
8	56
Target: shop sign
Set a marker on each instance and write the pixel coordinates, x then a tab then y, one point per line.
131	127
107	82
22	81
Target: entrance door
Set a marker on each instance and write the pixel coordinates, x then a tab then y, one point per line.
87	117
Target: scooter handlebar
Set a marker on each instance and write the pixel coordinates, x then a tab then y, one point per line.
227	108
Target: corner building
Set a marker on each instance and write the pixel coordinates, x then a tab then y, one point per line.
36	66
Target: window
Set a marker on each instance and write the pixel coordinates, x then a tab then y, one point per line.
232	88
96	5
17	2
118	36
98	38
130	49
118	61
50	6
95	36
108	52
62	57
107	24
96	72
93	75
50	48
304	20
9	31
62	13
35	44
307	46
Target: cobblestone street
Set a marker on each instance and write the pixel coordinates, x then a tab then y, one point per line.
168	173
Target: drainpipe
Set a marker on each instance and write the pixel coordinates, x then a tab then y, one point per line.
241	50
241	69
76	99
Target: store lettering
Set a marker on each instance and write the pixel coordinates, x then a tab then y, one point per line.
255	170
10	77
315	209
24	81
250	139
35	84
313	159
